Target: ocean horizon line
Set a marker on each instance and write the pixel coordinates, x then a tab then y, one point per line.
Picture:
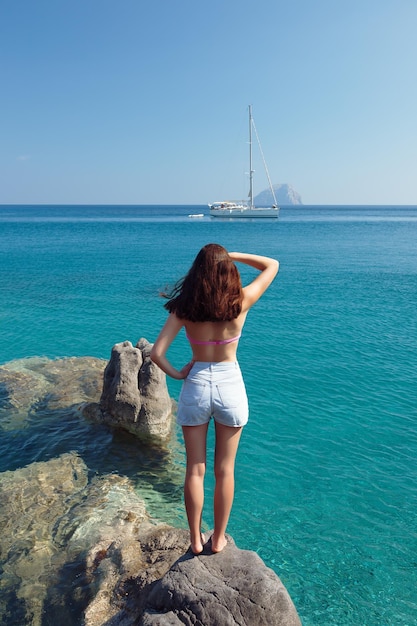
191	204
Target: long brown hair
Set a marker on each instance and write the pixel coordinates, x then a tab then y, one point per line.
211	291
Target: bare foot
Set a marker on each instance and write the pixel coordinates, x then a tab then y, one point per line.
197	547
218	545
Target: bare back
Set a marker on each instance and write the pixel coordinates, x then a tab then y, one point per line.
215	331
215	341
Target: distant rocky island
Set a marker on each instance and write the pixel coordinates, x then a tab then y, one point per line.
285	195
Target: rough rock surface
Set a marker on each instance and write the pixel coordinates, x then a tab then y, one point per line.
80	548
65	540
33	385
231	588
33	501
135	394
74	551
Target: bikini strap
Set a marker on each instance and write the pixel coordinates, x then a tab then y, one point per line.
219	342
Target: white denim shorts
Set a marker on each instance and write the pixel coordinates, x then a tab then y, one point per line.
213	390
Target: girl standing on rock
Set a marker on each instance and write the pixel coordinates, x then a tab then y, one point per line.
212	306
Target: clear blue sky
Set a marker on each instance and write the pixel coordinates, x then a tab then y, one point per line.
127	101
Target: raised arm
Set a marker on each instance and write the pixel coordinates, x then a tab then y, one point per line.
268	268
159	349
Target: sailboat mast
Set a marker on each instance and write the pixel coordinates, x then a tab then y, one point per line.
250	159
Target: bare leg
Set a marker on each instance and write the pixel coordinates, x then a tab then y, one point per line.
227	441
195	438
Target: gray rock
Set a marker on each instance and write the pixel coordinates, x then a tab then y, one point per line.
51	384
32	502
82	549
87	553
174	587
231	588
120	600
67	544
284	194
135	394
120	398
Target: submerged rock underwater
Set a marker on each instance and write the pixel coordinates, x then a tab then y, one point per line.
80	547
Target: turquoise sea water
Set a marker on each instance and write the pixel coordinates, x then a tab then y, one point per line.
326	478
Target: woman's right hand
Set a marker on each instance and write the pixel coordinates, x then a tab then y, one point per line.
184	371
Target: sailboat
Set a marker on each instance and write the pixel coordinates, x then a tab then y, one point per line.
227	208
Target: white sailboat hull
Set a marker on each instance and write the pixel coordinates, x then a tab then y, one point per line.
219	210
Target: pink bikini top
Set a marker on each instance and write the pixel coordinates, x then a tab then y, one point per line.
218	342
